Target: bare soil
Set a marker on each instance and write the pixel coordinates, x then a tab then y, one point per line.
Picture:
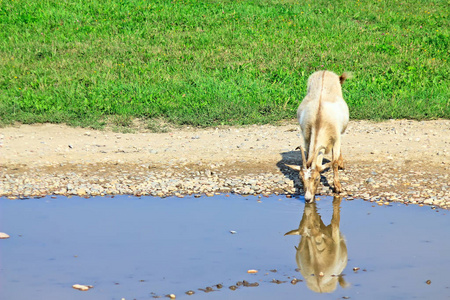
417	147
241	149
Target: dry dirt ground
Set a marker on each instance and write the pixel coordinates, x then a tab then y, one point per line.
393	160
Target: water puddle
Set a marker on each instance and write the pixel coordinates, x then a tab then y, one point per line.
140	248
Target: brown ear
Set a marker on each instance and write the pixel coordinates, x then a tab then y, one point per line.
294	167
293	232
323	167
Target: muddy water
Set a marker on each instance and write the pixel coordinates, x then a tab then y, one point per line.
138	248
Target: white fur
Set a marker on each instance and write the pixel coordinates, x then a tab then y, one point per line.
323	116
324	91
308	173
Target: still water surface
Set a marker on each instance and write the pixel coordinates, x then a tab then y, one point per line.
137	248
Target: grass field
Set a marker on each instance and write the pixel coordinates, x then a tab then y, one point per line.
208	63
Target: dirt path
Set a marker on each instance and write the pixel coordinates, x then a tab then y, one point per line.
408	159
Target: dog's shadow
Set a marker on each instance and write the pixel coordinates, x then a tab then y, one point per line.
295	158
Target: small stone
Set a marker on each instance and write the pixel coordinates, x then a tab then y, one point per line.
252	271
370	180
428	281
428	201
277	281
172	296
4	235
190	292
81	192
82	287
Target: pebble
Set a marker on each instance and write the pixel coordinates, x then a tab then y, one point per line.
370	180
81	192
4	235
82	287
277	281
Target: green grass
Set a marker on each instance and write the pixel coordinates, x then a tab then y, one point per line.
206	63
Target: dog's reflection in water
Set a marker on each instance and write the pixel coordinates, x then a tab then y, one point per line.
322	251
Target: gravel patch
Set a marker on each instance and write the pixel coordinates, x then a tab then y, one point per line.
399	183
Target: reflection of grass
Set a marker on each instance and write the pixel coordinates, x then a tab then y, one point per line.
210	62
